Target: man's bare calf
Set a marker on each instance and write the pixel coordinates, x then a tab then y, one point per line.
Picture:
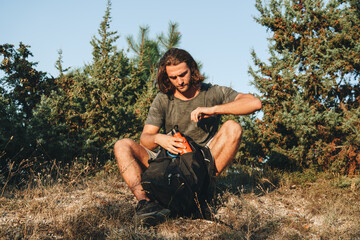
132	159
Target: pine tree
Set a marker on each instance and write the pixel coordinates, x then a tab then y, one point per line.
59	66
92	108
22	89
147	54
310	85
109	89
172	39
23	83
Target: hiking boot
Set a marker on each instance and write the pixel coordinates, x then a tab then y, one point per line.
150	213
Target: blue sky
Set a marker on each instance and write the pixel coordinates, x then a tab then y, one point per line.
220	34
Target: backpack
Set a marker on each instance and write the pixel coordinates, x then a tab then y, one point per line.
180	183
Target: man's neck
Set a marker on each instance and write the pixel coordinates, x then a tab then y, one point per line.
189	94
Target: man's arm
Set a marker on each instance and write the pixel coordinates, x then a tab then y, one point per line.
243	104
151	138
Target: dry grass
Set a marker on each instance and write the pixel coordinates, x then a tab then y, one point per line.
250	205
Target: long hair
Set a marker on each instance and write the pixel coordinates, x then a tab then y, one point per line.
175	56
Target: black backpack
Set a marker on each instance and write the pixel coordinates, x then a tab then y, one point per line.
180	183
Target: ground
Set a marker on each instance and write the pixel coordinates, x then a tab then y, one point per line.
250	206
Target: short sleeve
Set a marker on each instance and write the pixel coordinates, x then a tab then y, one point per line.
224	94
156	113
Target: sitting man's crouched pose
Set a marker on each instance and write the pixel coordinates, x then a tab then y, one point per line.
195	107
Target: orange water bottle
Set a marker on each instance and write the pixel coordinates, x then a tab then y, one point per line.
176	133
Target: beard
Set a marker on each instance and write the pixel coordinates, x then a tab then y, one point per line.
183	88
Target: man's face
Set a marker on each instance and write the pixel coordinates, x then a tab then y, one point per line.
179	75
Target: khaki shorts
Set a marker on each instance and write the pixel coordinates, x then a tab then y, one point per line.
152	154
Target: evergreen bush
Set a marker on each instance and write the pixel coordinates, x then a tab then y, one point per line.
309	86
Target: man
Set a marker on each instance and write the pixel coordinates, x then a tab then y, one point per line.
196	108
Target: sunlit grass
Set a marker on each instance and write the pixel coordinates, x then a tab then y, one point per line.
251	204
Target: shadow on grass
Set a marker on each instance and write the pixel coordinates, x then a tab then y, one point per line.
108	220
105	220
254	231
245	179
96	222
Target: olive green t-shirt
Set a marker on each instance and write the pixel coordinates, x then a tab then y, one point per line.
167	111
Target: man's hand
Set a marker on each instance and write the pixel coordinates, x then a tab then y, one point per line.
202	112
170	143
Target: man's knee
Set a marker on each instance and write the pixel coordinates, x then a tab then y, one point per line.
123	144
233	130
127	149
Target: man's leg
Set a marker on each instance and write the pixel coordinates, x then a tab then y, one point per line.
225	144
132	159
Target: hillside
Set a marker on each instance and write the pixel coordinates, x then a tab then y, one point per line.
254	205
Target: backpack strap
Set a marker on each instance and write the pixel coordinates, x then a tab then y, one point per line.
209	160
